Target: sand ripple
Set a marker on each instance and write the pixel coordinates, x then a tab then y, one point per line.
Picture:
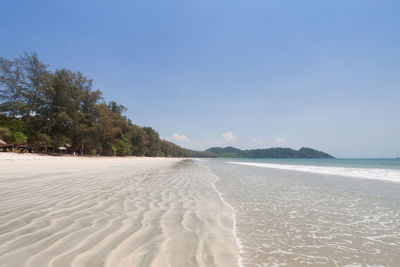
112	212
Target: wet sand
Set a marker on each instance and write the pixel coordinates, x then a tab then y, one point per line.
67	211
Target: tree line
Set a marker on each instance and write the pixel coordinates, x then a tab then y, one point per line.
47	111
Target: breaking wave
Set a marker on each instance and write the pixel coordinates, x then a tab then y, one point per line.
390	175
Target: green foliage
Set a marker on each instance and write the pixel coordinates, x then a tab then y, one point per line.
139	140
5	133
123	147
60	140
169	149
117	108
93	152
18	138
43	140
109	149
154	142
15	124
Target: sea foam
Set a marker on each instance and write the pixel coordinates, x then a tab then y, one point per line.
390	175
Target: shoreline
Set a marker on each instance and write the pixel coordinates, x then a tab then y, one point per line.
234	221
16	155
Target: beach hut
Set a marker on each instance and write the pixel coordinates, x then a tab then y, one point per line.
2	143
3	146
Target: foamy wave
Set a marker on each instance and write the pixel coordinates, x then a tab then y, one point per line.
377	174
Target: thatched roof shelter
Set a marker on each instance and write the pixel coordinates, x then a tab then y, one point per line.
2	143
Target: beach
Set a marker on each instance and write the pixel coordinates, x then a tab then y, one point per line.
100	211
128	211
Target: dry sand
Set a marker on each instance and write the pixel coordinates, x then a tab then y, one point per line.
67	211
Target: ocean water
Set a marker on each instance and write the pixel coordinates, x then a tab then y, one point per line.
313	212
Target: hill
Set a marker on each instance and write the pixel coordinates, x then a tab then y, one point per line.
276	152
226	152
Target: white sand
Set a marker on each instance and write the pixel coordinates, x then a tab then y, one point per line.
66	211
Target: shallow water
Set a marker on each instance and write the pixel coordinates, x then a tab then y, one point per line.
300	218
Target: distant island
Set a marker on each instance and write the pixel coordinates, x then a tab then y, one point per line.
277	152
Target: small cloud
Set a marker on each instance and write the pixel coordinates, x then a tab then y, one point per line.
229	136
280	141
179	138
256	141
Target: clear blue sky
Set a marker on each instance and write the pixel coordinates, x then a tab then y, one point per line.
262	73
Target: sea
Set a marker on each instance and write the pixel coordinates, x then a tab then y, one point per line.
312	212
